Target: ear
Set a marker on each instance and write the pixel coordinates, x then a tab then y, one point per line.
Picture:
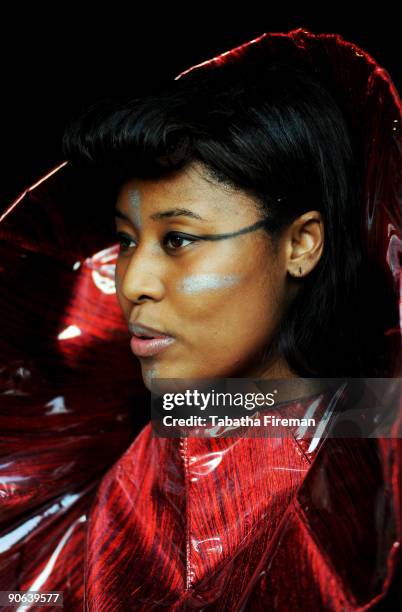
305	243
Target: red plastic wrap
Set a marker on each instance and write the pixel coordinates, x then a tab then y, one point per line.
93	505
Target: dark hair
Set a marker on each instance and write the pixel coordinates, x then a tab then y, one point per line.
276	132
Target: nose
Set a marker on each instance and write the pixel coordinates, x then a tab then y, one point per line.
140	278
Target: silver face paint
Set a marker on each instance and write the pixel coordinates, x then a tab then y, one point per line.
135	206
206	282
156	248
149	375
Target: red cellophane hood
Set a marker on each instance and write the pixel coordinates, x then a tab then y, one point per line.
93	505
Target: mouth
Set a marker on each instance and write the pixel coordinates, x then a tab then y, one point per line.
148	341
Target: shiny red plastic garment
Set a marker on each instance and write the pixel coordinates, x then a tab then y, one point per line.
93	505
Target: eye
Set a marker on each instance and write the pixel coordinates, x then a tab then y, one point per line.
122	239
172	240
176	240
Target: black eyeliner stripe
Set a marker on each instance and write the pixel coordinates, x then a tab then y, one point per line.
245	230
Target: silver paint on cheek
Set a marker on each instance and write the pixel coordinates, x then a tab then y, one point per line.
135	205
206	282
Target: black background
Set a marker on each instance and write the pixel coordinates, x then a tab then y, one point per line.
59	61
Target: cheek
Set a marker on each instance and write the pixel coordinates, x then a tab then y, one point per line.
245	308
123	302
238	295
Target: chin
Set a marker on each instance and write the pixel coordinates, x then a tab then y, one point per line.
149	373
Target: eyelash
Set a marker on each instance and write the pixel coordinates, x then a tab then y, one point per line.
120	237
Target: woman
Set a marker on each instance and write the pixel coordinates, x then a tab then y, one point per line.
237	196
273	233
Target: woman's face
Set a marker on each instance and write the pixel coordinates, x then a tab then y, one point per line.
221	300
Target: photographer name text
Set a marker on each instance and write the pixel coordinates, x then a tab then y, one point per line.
268	420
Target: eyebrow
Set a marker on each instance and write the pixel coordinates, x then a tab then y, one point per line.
172	212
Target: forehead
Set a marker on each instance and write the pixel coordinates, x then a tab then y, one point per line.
191	188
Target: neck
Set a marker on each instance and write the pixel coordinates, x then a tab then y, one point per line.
279	369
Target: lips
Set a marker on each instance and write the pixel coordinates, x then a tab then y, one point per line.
148	341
